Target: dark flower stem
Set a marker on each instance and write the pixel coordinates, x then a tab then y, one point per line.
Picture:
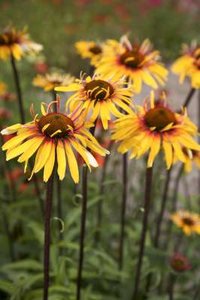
162	209
58	182
123	208
48	208
174	200
22	118
147	199
82	232
172	280
189	97
101	194
18	89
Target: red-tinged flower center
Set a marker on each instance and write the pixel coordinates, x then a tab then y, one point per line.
159	117
55	125
95	49
10	38
188	221
132	59
99	90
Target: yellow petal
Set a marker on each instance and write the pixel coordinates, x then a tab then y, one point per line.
73	167
61	159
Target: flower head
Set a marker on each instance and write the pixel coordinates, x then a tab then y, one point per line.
53	136
89	49
179	262
188	65
152	127
138	62
191	156
51	80
188	222
16	43
100	96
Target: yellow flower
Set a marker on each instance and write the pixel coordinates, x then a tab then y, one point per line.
188	222
16	43
89	49
138	62
3	88
51	80
191	156
99	95
188	65
53	137
152	127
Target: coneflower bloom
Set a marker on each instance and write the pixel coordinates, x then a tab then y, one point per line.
187	221
138	62
188	65
191	156
152	127
16	43
53	137
100	96
89	49
50	80
179	262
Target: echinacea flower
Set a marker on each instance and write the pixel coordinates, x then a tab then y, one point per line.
49	81
152	127
137	62
179	262
89	49
191	156
53	137
100	96
16	43
188	65
187	221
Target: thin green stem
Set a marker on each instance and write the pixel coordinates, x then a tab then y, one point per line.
47	235
147	200
82	232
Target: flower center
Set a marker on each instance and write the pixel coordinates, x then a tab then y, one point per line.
132	59
9	38
188	221
159	117
55	125
95	49
99	90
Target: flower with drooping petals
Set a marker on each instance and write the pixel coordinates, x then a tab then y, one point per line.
191	156
187	221
16	43
137	62
152	127
90	49
49	81
52	138
188	65
100	96
179	262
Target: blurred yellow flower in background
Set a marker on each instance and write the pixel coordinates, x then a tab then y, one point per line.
16	43
188	65
49	81
187	221
89	49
